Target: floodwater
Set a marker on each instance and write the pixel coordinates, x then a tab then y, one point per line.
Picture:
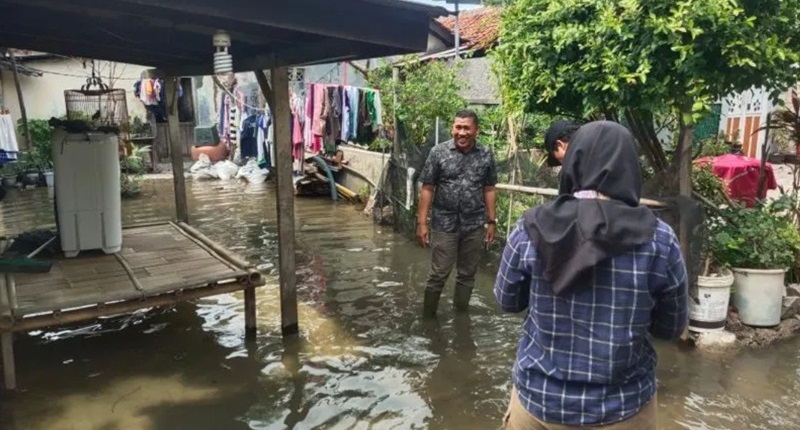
365	360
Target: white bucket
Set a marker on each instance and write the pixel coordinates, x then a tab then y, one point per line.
759	296
714	293
49	179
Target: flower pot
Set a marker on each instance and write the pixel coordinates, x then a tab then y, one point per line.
759	296
31	178
714	293
49	179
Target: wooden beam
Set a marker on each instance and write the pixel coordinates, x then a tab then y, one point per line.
279	91
250	316
22	111
384	25
176	150
96	44
42	321
106	31
552	192
322	51
76	50
9	367
166	20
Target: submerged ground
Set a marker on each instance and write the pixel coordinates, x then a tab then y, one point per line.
366	361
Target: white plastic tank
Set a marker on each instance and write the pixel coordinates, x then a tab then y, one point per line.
87	191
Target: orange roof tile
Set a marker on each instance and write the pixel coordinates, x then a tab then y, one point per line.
478	28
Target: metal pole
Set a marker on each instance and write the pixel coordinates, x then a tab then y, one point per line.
458	38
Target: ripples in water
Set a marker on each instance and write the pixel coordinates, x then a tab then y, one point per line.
365	361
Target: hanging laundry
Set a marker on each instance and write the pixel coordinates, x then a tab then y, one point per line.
353	100
345	135
8	139
248	137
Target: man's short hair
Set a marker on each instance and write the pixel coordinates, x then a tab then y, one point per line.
560	130
468	113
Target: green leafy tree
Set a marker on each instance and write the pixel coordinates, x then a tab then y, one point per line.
425	91
638	60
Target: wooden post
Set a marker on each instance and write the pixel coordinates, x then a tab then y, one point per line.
250	313
279	92
9	371
396	137
176	151
685	177
22	111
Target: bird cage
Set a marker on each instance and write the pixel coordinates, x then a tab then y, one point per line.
98	104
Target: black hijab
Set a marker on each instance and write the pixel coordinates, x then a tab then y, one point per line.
573	235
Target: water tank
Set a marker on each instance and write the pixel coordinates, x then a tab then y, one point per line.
87	191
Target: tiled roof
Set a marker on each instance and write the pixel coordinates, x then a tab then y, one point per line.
478	28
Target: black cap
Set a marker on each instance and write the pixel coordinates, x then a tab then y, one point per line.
555	132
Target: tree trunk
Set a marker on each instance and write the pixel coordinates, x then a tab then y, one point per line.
642	127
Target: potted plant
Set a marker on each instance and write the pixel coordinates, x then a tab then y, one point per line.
9	174
710	311
759	244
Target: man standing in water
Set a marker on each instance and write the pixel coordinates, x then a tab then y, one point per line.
459	178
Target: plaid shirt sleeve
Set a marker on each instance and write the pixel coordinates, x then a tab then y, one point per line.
512	286
670	314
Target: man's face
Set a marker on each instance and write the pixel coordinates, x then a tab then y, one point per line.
560	150
464	132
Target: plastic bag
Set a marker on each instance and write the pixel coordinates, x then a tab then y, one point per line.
225	169
247	169
205	173
203	162
257	177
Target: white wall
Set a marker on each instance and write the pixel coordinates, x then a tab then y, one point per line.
44	95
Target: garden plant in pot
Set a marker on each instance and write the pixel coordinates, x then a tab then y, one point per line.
759	244
710	311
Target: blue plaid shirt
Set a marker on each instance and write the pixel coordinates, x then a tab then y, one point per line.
584	359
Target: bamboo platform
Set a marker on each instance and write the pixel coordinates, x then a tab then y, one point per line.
159	264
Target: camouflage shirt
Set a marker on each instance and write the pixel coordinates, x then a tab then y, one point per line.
458	202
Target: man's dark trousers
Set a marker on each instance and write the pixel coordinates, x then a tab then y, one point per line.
463	250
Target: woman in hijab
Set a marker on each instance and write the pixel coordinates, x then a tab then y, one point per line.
597	274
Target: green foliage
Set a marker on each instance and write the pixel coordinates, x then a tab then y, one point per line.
713	146
131	170
425	91
41	151
590	58
761	237
594	55
380	144
709	185
508	214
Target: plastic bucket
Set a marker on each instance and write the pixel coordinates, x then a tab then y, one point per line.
713	295
759	296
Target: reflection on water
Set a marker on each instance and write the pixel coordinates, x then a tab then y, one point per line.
364	361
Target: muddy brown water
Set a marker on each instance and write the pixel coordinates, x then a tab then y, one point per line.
365	361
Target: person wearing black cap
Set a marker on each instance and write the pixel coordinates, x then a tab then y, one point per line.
556	140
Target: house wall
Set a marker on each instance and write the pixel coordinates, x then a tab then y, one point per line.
480	83
741	117
44	95
368	163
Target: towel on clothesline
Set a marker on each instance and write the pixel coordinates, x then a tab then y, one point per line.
8	134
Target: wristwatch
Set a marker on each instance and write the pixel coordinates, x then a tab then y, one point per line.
491	221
